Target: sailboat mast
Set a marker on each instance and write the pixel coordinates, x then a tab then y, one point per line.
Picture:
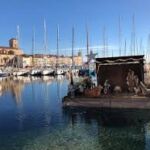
18	35
72	47
45	41
45	36
125	47
148	49
120	36
87	44
133	36
33	45
57	46
104	41
141	46
137	47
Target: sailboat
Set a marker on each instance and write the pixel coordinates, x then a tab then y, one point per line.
46	70
58	71
85	71
74	70
34	71
19	71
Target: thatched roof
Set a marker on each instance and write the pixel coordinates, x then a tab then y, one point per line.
120	60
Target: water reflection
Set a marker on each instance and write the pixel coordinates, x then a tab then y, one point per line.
37	120
37	102
116	129
47	113
47	79
15	85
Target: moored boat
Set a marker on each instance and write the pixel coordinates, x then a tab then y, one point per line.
3	73
60	72
21	73
35	72
47	71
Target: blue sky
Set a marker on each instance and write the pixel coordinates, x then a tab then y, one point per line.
78	13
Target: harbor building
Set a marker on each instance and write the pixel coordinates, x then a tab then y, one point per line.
8	52
12	49
12	54
39	60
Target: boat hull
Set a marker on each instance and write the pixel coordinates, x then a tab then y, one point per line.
60	72
4	74
35	73
47	72
21	73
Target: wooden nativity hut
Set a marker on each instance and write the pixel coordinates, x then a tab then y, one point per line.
116	70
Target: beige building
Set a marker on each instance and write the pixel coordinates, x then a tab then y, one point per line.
50	60
8	53
13	48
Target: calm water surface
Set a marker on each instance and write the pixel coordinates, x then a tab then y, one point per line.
32	118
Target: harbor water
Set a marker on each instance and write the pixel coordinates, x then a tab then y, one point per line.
32	118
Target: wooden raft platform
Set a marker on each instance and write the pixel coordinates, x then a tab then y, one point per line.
133	102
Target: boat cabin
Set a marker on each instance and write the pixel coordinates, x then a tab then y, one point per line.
119	70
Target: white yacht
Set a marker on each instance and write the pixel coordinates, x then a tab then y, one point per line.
75	71
47	71
59	72
21	73
3	73
35	72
